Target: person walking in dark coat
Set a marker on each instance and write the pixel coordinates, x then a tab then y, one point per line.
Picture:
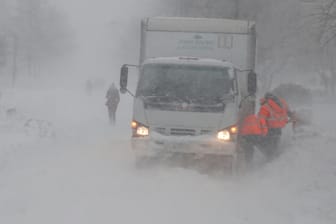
112	102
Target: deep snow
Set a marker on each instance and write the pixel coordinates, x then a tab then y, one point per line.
85	174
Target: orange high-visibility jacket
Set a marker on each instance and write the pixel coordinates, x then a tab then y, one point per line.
253	125
276	116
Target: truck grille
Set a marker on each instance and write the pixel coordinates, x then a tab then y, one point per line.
205	132
182	132
162	131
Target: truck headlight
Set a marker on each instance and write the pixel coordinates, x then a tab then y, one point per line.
224	135
228	133
142	131
234	129
139	130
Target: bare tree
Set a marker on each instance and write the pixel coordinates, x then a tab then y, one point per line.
41	33
208	8
4	17
326	17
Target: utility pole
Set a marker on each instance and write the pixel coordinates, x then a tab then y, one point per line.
178	7
237	6
14	69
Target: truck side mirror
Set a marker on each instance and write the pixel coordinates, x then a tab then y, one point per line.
252	83
123	78
234	83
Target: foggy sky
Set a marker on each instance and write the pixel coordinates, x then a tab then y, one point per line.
101	28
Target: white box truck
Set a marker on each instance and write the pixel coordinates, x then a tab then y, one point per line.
195	77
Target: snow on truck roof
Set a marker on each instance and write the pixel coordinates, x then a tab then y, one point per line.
189	24
189	61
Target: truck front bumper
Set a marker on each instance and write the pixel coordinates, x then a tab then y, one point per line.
200	146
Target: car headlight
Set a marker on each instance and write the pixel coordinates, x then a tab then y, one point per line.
224	135
139	130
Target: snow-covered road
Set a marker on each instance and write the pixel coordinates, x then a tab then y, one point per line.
86	174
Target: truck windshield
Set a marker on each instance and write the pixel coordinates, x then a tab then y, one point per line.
197	84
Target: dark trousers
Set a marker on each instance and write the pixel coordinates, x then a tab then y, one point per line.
247	144
112	114
268	145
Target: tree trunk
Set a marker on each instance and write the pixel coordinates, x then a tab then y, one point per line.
14	69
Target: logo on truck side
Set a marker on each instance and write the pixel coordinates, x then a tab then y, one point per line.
197	42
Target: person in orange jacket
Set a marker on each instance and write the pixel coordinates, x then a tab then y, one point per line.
276	113
251	132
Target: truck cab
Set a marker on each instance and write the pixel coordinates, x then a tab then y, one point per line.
186	100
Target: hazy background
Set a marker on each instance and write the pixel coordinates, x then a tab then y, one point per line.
295	37
71	166
107	32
